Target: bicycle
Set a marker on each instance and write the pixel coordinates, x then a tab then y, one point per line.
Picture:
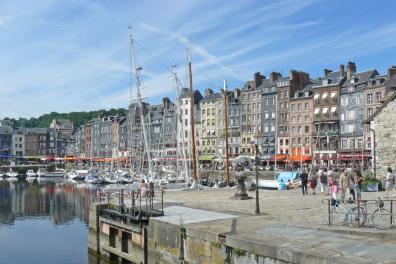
381	218
344	211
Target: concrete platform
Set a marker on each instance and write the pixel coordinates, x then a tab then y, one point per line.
186	215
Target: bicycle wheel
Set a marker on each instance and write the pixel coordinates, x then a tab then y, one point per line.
357	217
382	219
333	213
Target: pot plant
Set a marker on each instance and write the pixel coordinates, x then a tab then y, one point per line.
371	185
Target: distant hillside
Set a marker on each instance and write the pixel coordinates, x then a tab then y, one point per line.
78	118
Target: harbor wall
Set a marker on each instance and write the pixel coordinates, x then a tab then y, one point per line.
168	243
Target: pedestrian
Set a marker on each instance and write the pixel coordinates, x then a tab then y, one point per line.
304	182
282	186
358	180
329	174
334	190
390	179
323	180
143	188
312	182
151	188
344	184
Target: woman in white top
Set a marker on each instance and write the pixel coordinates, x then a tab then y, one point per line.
389	181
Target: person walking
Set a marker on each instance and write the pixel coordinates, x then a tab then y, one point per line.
358	180
323	180
304	182
390	180
344	184
312	180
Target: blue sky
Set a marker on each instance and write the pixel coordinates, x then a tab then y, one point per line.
74	55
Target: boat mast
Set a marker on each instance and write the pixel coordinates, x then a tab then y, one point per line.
192	119
179	127
140	100
225	92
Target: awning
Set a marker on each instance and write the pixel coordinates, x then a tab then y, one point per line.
206	157
298	158
333	109
317	110
324	96
333	94
280	157
316	96
324	111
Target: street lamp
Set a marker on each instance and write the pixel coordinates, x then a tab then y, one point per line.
374	158
257	187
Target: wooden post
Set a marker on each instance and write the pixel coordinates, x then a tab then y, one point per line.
226	132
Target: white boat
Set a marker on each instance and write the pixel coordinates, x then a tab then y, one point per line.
2	174
77	175
93	179
43	173
12	174
30	174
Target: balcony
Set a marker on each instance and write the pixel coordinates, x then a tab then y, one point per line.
330	133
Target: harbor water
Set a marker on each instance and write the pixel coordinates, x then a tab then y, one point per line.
45	222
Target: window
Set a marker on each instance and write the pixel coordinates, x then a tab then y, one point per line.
369	112
292	107
299	106
299	119
267	101
306	129
344	143
357	100
378	96
254	106
272	128
286	94
351	115
342	117
273	115
369	98
306	140
243	97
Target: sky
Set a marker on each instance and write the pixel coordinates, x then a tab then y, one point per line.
74	55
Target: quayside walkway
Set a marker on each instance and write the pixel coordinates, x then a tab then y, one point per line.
207	226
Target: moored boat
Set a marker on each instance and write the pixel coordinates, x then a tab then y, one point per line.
43	173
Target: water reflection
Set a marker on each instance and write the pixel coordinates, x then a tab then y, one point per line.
62	201
44	222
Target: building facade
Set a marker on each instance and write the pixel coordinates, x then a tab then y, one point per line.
325	132
268	115
352	106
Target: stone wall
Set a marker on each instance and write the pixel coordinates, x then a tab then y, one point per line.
385	127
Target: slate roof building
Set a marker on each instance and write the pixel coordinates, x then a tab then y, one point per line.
268	115
352	105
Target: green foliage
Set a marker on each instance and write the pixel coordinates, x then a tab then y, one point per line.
78	118
238	252
216	244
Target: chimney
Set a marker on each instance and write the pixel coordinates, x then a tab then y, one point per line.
208	91
275	76
391	71
342	70
351	69
258	79
326	71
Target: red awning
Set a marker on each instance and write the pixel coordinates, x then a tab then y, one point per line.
280	157
298	158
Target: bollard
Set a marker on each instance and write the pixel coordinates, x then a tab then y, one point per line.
133	199
162	200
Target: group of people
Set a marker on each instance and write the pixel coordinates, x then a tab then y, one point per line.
349	183
146	189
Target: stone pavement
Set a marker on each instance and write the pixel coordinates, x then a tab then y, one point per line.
292	227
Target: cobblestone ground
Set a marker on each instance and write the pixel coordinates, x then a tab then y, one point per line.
282	207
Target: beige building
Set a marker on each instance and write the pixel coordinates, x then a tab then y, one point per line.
301	122
251	116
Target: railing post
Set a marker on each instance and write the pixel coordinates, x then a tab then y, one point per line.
133	199
162	200
122	197
391	210
328	211
358	225
140	206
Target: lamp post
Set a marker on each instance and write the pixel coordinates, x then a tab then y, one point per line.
257	187
374	154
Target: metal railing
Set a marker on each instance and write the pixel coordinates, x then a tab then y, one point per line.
362	212
131	206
